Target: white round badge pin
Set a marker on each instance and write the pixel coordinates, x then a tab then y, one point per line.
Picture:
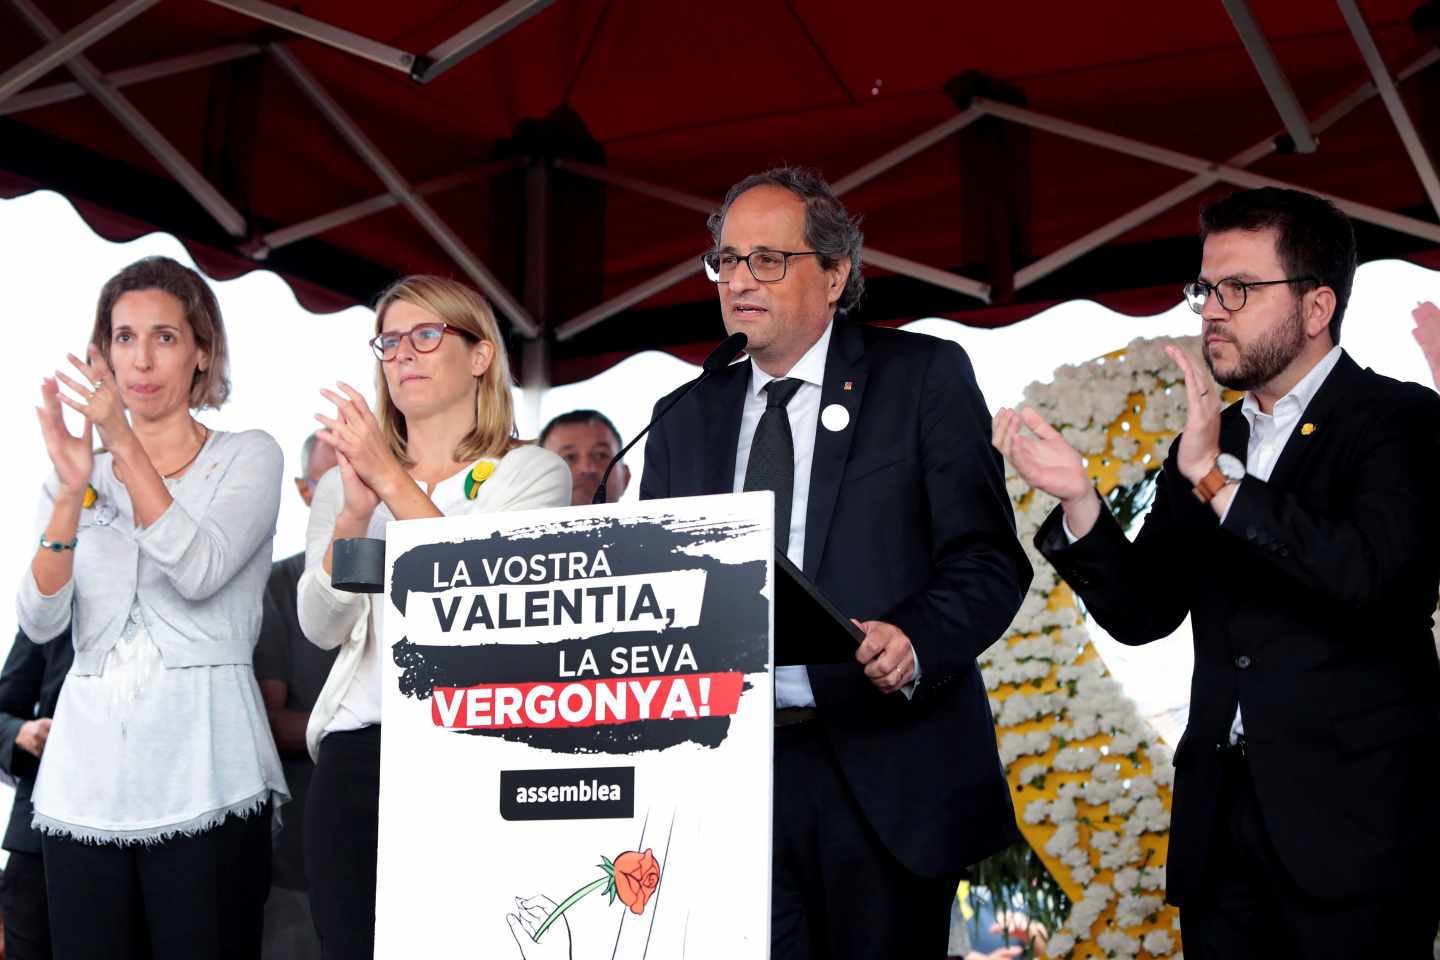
835	418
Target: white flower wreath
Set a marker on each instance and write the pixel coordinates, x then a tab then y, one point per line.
1090	779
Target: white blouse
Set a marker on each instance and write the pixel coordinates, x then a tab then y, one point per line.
142	752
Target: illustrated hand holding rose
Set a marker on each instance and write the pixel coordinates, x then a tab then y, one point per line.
632	878
530	917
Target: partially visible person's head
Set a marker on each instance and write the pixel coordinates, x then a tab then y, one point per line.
316	458
441	355
158	326
769	216
586	440
1255	333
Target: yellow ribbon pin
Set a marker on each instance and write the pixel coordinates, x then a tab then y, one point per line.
478	474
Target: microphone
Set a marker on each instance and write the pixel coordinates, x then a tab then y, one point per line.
719	359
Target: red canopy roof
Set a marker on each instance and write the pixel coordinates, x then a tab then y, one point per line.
692	96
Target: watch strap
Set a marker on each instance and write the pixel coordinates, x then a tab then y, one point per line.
1210	485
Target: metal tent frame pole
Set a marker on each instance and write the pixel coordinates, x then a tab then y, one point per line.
1191	164
313	226
322	32
63	46
481	33
1102	235
403	192
1292	115
142	129
60	92
1414	146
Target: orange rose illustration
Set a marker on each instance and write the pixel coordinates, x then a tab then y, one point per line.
632	878
636	877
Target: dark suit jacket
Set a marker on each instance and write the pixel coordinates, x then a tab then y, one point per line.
1311	607
29	688
908	522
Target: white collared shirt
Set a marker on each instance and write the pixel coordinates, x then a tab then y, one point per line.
1269	432
792	684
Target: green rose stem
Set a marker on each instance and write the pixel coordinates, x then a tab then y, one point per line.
570	901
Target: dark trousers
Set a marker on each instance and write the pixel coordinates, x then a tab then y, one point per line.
838	894
185	898
342	826
23	905
1254	908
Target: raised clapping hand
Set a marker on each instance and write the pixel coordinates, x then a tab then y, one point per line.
366	462
1427	334
100	401
1200	441
1043	459
73	457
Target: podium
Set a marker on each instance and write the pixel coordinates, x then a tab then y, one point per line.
578	726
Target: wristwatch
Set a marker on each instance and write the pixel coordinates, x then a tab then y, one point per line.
1227	470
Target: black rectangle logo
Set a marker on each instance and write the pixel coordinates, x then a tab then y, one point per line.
579	793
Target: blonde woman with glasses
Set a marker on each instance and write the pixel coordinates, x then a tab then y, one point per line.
440	443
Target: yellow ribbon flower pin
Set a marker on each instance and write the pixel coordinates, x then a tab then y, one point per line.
478	474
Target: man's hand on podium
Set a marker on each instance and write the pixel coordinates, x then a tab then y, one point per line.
889	661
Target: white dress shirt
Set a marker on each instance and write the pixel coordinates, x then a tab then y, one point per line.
792	684
1269	432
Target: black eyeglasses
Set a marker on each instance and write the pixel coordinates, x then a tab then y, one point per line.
1230	292
424	337
767	266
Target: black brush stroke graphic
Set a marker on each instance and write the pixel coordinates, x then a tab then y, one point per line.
731	635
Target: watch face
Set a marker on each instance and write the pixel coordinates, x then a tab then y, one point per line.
1230	466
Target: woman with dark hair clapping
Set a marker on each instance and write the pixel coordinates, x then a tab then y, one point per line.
160	773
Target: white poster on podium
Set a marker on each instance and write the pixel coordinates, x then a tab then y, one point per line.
577	736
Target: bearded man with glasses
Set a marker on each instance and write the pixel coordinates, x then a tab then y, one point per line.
1298	528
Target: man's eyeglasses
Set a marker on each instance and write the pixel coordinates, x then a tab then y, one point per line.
424	337
1230	292
767	266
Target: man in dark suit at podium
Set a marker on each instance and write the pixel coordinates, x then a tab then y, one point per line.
889	497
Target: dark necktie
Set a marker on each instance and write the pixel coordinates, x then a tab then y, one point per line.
772	455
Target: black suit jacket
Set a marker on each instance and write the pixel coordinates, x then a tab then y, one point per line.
908	522
29	688
1311	608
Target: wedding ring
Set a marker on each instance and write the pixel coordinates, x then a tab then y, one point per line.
98	383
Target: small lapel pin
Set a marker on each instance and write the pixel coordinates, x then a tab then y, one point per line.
1307	429
835	418
849	385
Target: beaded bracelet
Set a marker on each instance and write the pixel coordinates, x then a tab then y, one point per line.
57	547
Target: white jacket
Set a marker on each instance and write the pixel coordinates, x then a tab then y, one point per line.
526	478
